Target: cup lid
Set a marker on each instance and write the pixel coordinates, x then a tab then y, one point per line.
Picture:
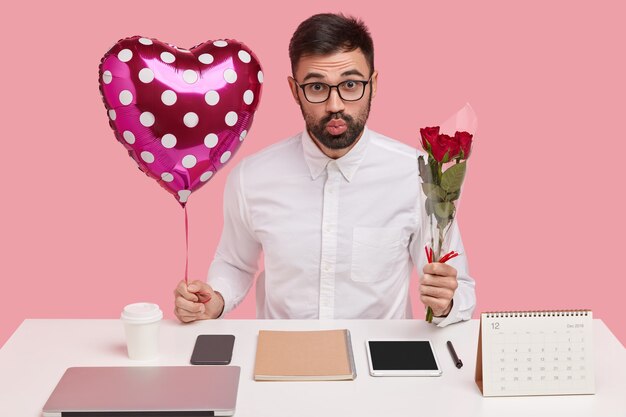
142	313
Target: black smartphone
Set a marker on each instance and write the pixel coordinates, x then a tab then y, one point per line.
213	349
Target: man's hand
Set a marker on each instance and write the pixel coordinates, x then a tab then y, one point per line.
197	301
437	287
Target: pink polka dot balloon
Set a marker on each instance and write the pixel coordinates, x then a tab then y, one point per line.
181	114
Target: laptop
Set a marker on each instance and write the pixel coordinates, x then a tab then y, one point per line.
181	391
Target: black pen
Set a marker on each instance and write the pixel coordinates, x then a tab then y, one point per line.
455	358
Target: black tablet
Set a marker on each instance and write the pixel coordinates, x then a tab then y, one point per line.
402	357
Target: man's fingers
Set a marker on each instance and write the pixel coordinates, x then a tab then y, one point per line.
198	286
189	306
192	301
204	297
437	304
187	319
186	316
437	288
449	282
182	316
437	268
202	290
436	292
181	290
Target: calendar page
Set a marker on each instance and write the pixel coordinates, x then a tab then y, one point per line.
535	353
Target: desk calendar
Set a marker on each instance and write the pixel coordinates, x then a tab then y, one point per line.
535	353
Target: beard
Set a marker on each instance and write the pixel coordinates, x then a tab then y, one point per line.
355	126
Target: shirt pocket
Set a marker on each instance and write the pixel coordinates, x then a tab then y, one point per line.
375	252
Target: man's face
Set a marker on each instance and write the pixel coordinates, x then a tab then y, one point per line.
335	123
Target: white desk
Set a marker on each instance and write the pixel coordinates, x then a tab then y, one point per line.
37	354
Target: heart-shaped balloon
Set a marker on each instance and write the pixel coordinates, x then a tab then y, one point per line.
181	114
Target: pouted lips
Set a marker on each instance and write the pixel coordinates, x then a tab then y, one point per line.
336	127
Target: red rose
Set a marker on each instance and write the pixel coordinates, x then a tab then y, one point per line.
454	148
445	146
438	145
464	140
429	136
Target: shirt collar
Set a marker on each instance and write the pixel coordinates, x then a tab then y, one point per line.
347	164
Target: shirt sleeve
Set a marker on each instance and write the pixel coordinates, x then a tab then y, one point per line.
236	258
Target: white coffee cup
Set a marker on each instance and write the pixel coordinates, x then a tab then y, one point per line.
141	324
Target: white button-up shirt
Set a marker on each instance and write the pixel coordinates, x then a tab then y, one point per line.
339	237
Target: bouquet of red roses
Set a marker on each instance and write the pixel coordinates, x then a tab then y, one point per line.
442	188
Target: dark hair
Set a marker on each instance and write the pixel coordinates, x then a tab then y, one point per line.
327	33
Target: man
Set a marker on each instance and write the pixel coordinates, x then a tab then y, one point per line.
335	210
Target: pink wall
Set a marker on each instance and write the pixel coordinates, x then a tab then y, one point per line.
84	233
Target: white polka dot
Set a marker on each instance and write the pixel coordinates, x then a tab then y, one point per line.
167	57
248	97
146	119
243	135
168	141
244	56
147	157
189	161
183	195
231	118
212	97
146	75
107	77
125	55
126	97
168	97
145	41
220	44
191	119
259	76
112	114
210	140
167	177
206	59
206	176
230	76
225	157
190	76
129	137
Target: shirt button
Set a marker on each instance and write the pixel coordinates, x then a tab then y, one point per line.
326	267
328	229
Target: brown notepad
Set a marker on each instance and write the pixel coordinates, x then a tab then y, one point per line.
321	355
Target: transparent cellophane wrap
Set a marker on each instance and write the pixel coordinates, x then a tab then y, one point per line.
441	201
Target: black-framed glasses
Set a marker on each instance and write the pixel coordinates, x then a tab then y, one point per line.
349	90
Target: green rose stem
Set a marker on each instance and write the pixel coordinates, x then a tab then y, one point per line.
453	180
